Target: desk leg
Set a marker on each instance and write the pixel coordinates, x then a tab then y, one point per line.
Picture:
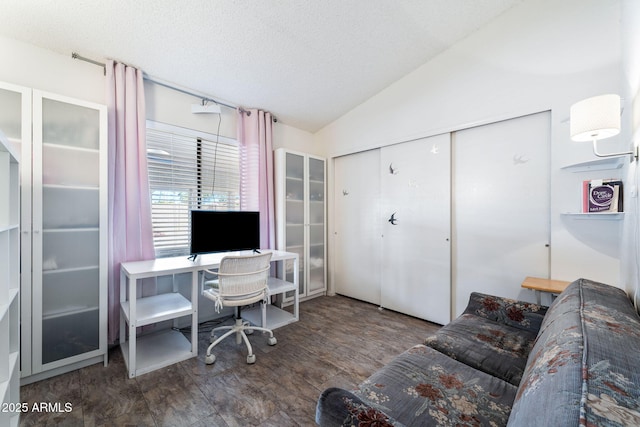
123	298
132	327
296	298
194	315
538	297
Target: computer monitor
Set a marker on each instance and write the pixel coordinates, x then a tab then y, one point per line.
223	231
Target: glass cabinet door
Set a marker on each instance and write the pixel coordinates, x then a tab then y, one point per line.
67	238
11	117
300	210
294	212
316	221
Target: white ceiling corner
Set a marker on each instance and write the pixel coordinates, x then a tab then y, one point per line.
308	62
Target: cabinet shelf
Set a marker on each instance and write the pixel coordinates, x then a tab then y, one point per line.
71	187
69	312
70	147
70	270
70	230
9	227
13	293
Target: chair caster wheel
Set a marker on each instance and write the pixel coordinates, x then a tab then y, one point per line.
272	341
211	340
248	331
251	359
210	359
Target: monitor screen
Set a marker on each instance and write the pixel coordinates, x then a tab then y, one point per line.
222	231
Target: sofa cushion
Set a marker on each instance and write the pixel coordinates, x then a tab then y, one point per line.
519	314
339	407
424	387
495	348
583	369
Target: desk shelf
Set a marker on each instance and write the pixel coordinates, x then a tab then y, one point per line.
157	350
278	286
148	352
275	316
158	308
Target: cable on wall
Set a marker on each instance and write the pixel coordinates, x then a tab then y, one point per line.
215	155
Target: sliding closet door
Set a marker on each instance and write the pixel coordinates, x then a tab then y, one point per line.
501	206
357	243
416	272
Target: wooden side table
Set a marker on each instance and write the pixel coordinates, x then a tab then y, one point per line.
539	285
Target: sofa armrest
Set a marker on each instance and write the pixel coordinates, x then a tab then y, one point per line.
519	314
339	407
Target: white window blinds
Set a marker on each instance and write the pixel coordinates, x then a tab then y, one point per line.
188	170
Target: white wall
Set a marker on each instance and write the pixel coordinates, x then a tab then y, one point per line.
173	107
631	133
27	65
541	55
31	66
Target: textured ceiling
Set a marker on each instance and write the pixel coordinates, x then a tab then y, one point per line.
306	61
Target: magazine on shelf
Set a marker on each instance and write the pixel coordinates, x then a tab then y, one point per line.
602	196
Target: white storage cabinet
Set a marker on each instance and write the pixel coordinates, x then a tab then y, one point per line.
300	214
63	144
9	283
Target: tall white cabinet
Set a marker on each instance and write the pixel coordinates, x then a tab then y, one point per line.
301	212
9	283
64	230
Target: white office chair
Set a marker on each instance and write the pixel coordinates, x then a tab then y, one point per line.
241	280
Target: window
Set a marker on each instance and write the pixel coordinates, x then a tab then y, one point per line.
188	170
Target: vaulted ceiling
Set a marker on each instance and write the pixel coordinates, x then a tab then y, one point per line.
306	61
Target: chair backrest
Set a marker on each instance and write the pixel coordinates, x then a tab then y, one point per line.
243	279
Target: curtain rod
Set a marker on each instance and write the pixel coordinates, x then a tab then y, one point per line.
145	76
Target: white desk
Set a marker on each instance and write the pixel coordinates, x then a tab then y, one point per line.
157	350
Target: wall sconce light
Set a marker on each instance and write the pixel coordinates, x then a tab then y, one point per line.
598	118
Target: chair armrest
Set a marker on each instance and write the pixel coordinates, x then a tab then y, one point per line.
519	314
339	407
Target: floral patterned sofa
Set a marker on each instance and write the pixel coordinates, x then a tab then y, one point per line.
507	362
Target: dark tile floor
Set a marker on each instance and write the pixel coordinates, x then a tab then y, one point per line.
337	342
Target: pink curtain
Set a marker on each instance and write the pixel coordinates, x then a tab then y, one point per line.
130	232
256	170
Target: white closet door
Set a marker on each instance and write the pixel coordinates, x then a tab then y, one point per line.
501	207
357	226
416	272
